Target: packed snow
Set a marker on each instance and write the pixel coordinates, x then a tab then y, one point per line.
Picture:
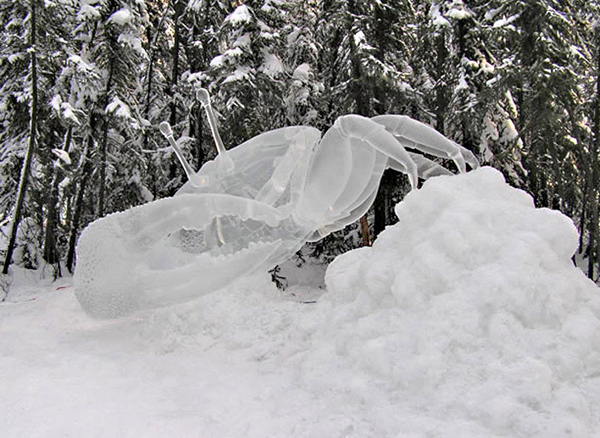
466	319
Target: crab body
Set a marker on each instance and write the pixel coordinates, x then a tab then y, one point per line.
249	209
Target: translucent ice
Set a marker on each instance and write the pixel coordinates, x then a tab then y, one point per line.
251	208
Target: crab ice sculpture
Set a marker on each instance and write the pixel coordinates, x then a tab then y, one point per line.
249	209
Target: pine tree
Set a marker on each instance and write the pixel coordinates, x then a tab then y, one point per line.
590	216
202	19
31	143
118	51
33	35
304	96
246	77
387	57
15	96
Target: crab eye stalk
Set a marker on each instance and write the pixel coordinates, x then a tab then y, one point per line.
204	98
165	129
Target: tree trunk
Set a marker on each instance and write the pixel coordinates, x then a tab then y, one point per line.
148	103
196	130
381	206
441	93
594	174
361	99
177	7
593	237
583	219
462	30
50	252
104	144
149	79
77	216
23	181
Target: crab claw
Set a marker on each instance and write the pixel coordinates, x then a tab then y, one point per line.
417	135
171	251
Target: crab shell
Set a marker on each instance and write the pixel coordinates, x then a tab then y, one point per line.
248	210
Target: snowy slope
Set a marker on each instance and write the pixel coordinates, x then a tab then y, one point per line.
466	319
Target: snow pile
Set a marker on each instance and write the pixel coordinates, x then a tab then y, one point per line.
471	311
467	319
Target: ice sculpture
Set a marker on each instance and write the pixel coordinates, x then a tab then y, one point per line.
249	209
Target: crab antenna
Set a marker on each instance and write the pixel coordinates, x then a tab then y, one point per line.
165	129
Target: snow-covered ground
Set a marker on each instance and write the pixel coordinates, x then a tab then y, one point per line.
467	319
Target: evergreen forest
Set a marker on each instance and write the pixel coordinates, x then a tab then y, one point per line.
86	83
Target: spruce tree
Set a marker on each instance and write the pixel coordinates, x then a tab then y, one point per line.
246	77
35	48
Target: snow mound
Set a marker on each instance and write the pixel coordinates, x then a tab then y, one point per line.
471	312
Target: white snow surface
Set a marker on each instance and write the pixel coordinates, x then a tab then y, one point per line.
272	65
303	72
466	319
121	17
118	107
241	14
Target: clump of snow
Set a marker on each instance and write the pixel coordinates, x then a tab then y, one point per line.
198	77
62	155
466	319
88	11
505	21
240	15
272	65
132	41
437	18
512	105
302	73
55	102
120	17
119	108
233	53
80	64
458	11
486	67
241	73
64	108
217	61
243	41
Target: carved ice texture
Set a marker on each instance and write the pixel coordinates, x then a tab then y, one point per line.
249	209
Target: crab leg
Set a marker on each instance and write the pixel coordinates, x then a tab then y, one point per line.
414	134
425	167
355	126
